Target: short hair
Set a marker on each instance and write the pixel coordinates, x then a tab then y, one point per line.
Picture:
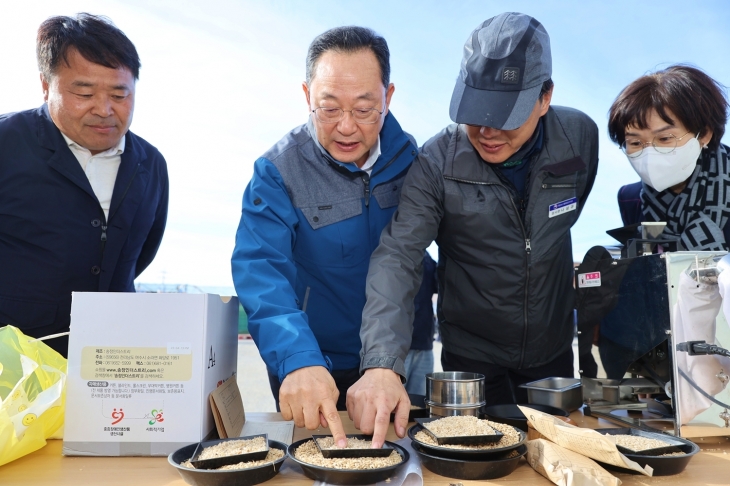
547	85
96	38
349	39
694	98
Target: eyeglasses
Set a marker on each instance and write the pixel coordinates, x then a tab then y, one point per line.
362	116
663	143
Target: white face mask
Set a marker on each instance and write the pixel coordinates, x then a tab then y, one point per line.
662	171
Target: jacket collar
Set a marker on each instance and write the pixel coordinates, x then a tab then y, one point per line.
557	157
134	159
62	160
392	141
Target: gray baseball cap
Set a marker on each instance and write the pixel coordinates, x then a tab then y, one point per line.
506	60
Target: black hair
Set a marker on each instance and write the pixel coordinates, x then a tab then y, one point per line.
547	85
349	39
96	38
694	98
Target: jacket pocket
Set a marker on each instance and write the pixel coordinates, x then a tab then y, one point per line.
559	185
478	198
556	209
336	236
387	195
327	214
26	314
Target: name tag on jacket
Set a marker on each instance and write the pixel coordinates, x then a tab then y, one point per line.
562	207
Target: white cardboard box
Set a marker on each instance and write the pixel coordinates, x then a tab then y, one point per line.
141	367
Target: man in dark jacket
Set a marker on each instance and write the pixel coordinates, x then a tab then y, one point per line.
499	193
83	202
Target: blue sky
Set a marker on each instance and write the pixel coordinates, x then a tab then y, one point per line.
221	82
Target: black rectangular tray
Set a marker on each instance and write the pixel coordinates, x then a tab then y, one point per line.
674	445
348	453
662	465
462	439
217	462
421	411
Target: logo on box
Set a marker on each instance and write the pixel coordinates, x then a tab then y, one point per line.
117	416
156	417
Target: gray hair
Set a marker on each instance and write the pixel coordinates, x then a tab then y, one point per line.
349	39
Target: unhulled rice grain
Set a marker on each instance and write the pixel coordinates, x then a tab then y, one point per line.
511	437
309	453
352	443
638	443
459	426
272	456
233	448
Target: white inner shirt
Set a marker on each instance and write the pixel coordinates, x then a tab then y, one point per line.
372	158
101	169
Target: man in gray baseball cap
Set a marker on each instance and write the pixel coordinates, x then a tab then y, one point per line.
498	191
506	62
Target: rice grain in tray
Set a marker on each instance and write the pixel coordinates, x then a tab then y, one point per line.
459	426
352	443
638	443
309	453
233	448
511	435
272	456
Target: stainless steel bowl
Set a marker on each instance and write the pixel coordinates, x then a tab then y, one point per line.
565	393
450	388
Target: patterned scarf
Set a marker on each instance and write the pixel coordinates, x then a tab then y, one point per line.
699	213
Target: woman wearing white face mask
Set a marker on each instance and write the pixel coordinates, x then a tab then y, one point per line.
669	125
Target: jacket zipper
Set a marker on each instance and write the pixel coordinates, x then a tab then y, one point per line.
306	299
559	186
528	251
394	157
366	178
366	189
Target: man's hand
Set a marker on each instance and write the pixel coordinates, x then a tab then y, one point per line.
309	397
371	399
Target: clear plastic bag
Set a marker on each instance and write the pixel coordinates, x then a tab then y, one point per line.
32	393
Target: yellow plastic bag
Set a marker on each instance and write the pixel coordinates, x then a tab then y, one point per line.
32	393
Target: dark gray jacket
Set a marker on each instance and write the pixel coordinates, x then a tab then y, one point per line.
505	285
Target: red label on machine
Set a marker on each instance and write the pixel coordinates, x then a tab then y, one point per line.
592	279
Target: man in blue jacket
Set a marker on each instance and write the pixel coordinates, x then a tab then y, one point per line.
312	215
83	202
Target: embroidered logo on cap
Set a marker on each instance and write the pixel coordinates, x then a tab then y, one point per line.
510	75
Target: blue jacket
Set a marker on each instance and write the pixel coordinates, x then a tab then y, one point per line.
308	226
54	237
629	203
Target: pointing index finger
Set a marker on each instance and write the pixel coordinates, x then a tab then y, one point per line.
382	422
332	417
